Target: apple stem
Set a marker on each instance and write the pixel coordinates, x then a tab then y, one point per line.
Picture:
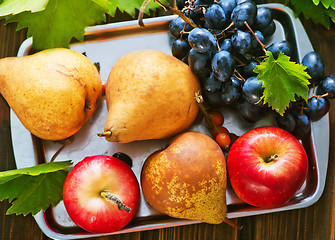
232	224
111	197
271	158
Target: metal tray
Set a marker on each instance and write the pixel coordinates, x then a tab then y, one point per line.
105	44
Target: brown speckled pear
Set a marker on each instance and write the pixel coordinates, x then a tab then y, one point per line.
150	95
188	179
53	92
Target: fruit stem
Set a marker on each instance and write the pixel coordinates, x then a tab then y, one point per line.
253	33
111	197
59	150
105	134
199	99
271	158
232	224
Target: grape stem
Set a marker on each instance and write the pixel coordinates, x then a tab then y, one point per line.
166	8
199	99
252	32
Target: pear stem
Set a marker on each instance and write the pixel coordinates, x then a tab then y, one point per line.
105	134
111	197
232	224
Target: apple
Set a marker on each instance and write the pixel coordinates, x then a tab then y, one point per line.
267	166
101	194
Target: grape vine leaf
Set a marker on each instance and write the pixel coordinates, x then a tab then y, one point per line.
312	9
9	7
59	22
128	6
32	189
283	80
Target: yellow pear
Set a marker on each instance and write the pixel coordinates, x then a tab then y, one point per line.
187	179
150	95
52	92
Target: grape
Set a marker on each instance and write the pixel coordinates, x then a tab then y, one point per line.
202	40
286	122
269	30
212	84
176	26
327	86
180	4
215	17
317	107
302	125
124	158
256	47
248	69
231	90
227	6
263	18
213	98
226	45
242	42
244	12
223	65
253	91
180	48
280	46
249	112
199	63
315	66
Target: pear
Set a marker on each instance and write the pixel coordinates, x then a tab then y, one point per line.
52	92
187	179
150	95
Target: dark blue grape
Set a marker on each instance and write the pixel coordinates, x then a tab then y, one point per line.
248	69
315	66
215	17
226	45
124	158
269	30
249	112
223	65
302	126
228	6
253	91
242	42
200	63
286	122
244	12
327	86
180	48
176	26
231	90
317	107
212	84
255	43
202	40
212	98
180	4
280	46
264	17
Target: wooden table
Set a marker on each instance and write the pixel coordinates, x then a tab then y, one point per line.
314	222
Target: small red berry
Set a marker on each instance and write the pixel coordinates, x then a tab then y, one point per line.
223	140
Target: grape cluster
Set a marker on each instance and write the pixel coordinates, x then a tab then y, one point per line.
222	42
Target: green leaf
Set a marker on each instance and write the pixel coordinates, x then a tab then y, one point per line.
283	80
311	9
8	7
59	22
130	6
33	189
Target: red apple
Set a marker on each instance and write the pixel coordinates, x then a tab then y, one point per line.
267	166
101	194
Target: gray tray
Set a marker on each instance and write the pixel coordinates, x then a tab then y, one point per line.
105	44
